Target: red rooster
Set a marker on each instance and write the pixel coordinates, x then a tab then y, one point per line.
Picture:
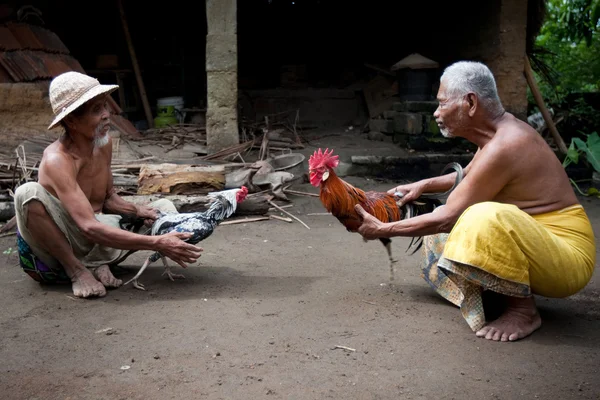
339	198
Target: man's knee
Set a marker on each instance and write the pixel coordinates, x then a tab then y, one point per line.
28	206
35	209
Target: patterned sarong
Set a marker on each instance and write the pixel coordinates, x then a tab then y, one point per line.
499	247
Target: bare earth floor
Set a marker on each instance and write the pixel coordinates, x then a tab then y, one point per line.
260	315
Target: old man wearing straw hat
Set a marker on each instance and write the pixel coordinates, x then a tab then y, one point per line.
68	221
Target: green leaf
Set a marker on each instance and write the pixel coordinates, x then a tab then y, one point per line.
572	155
593	192
592	151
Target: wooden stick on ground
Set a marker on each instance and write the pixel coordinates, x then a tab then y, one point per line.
9	225
244	220
300	193
281	218
540	103
285	212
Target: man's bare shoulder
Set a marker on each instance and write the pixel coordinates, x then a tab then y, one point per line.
512	137
513	130
56	159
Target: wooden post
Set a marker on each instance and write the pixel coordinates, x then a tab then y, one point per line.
540	102
136	68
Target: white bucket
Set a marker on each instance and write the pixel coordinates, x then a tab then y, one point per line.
176	102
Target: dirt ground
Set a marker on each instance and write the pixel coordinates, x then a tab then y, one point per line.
260	315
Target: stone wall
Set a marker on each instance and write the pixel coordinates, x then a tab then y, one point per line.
25	112
221	75
500	42
509	62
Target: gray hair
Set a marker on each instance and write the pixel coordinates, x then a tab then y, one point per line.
465	77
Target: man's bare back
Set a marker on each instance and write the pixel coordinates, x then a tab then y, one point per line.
539	182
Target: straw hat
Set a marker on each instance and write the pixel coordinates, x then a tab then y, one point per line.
72	89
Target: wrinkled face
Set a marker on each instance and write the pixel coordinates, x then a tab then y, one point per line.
241	194
92	121
449	116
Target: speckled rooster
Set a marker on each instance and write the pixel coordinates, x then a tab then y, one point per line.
339	198
200	224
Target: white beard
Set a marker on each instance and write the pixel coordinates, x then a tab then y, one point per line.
446	133
101	141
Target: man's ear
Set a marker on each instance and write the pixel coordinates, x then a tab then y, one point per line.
69	120
473	102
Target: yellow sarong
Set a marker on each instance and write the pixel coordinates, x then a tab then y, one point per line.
498	247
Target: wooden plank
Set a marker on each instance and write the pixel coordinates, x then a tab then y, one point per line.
180	179
253	205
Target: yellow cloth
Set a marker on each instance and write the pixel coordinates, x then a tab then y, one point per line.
553	254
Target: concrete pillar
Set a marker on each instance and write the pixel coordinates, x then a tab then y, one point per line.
221	75
508	63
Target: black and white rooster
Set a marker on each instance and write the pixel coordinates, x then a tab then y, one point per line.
200	224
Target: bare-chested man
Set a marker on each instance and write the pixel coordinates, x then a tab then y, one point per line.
68	221
513	225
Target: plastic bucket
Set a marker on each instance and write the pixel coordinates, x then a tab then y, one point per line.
164	104
165	111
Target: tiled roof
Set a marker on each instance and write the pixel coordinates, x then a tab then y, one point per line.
29	53
28	65
20	36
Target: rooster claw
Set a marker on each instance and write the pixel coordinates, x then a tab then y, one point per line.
172	276
138	285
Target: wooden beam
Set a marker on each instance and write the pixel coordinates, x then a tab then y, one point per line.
537	95
136	68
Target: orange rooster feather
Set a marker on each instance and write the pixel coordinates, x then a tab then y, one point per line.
339	198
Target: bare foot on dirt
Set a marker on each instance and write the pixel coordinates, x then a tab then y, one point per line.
85	285
520	319
103	274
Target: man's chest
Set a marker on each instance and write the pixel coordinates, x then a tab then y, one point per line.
93	179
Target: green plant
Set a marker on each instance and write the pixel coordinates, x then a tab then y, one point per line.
591	149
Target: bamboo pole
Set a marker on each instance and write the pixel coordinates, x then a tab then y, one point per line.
136	68
540	102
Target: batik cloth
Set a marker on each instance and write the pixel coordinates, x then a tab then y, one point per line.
498	247
38	263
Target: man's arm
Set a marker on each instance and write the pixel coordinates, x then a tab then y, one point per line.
487	176
114	204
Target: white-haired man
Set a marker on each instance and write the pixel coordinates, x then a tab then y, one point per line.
69	221
513	225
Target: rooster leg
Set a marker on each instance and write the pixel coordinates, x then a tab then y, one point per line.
388	246
136	284
168	271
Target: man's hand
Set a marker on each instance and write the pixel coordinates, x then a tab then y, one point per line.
172	245
149	214
371	228
410	192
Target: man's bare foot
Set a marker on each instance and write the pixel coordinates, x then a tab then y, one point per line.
85	285
103	274
520	319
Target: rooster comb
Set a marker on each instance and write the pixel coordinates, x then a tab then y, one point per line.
322	158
